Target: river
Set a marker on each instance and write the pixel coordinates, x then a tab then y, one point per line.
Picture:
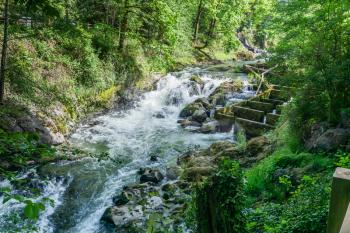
83	189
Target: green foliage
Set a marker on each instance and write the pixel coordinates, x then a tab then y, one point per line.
343	159
219	201
277	176
17	149
241	140
313	54
305	211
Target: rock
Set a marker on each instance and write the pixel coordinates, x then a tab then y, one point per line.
169	187
197	173
172	173
197	80
151	175
154	202
218	97
122	199
159	115
257	145
316	131
199	104
107	216
186	123
332	139
123	216
200	161
210	127
199	115
218	147
154	158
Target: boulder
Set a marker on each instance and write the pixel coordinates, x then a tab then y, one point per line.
190	109
199	104
200	115
151	175
197	80
198	173
209	127
257	145
159	115
218	97
218	147
123	216
172	173
186	123
122	198
154	202
332	139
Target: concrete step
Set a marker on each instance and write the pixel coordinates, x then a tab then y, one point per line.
251	128
247	113
280	95
261	106
272	119
275	102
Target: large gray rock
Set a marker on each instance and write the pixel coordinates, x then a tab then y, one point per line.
199	104
332	139
199	116
123	216
150	175
209	127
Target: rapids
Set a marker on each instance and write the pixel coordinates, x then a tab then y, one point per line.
86	187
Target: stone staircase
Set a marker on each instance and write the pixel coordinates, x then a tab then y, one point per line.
258	114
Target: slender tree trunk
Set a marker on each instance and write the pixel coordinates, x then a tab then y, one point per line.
124	26
4	52
197	21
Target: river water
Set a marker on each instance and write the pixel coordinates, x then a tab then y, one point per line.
83	189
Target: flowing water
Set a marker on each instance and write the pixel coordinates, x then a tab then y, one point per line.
83	189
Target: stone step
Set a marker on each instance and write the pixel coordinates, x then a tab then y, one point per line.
280	95
261	106
247	113
272	119
275	102
252	128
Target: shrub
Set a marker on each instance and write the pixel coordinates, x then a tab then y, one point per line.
219	201
305	211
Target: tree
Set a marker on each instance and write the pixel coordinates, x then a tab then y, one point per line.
4	51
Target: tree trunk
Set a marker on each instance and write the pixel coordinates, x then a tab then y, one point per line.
197	22
124	26
4	51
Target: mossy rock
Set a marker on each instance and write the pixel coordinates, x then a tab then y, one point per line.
197	80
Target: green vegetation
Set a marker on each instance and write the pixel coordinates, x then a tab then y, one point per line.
19	151
219	201
62	60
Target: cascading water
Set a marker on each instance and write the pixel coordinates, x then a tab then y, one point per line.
130	138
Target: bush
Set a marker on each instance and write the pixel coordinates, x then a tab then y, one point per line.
219	201
267	180
305	211
16	149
